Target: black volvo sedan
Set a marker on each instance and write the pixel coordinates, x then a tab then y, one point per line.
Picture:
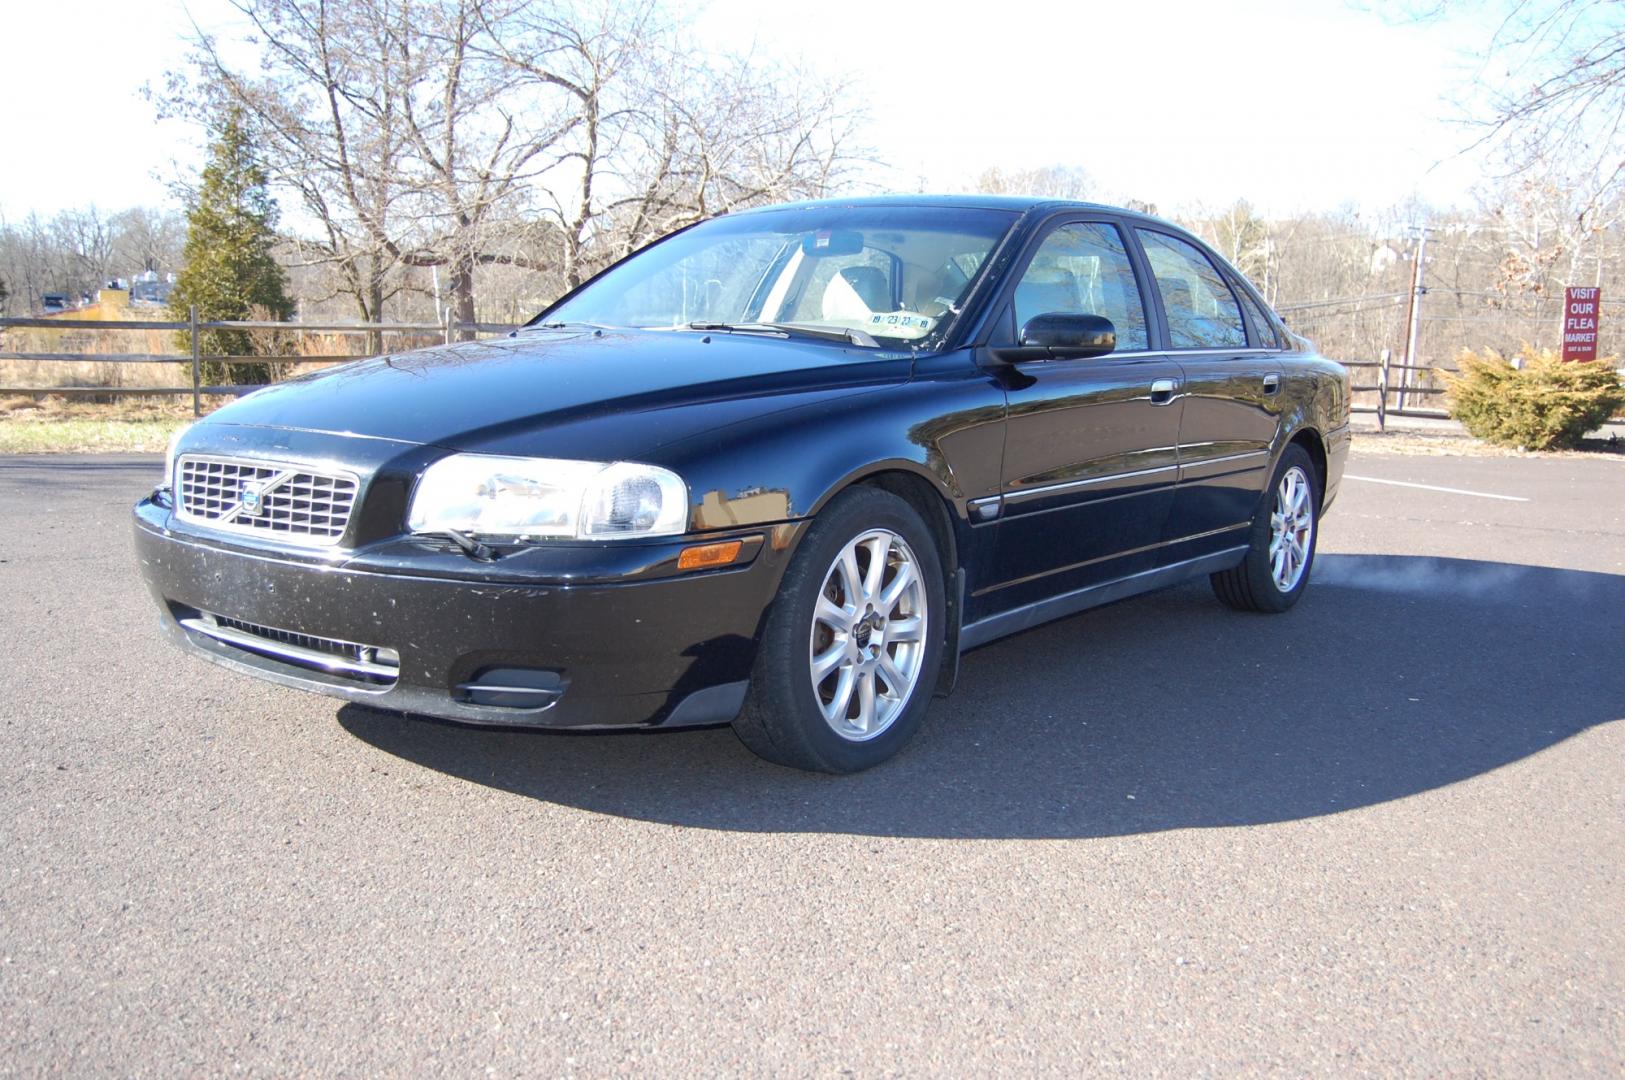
779	470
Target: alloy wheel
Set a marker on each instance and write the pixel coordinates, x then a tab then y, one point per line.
1292	528
867	643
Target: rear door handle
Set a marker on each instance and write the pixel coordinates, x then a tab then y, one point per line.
1162	391
1272	382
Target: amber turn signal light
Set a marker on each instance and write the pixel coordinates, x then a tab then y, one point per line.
707	555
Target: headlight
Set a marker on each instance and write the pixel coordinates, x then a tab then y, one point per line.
548	497
169	457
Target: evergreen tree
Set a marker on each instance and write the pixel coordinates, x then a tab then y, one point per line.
229	272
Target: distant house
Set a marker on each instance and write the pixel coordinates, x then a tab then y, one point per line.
53	302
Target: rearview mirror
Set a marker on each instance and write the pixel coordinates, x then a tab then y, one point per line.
832	242
1070	335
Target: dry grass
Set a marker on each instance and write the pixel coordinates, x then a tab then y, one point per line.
51	426
88	373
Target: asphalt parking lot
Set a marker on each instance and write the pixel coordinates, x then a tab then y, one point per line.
1382	834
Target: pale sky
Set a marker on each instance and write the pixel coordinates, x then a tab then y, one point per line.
1293	104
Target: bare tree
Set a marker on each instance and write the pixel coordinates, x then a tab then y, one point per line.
1550	83
736	134
85	242
325	106
1563	91
1045	182
650	134
147	239
1244	238
460	134
1551	232
26	263
77	251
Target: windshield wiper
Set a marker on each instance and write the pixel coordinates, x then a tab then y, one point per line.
823	333
471	547
731	328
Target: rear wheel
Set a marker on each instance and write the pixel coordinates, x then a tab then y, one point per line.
1281	550
853	642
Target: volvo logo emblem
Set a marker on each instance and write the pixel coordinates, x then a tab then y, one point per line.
250	496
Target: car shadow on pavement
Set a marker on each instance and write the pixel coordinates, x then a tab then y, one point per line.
1395	675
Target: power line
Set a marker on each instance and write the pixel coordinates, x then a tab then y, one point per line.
1323	316
1547	298
1340	300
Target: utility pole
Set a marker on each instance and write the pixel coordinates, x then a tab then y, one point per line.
1413	317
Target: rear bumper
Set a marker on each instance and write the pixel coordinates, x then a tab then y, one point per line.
625	639
1337	444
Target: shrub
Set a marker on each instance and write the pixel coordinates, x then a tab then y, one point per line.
1546	404
230	271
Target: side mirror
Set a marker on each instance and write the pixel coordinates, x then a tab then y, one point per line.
1069	336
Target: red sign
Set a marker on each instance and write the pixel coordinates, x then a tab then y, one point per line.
1580	310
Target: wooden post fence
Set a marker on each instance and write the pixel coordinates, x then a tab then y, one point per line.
447	330
1382	390
197	364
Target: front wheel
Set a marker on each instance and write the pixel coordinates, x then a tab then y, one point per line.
854	641
1282	539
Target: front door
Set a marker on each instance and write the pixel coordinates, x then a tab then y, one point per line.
1090	458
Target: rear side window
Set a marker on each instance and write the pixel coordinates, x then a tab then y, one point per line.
1202	311
1083	268
1263	328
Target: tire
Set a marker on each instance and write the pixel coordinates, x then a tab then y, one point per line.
831	617
1289	510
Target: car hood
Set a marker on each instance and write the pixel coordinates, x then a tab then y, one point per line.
497	395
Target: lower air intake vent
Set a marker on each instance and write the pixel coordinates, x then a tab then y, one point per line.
368	664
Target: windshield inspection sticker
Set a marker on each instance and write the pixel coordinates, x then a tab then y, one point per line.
901	324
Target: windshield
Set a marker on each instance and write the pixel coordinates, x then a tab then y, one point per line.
898	274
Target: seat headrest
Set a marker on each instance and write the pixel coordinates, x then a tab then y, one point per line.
870	283
1176	294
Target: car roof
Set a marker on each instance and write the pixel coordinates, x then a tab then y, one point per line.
1018	203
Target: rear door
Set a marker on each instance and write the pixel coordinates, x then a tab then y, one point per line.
1232	394
1091	456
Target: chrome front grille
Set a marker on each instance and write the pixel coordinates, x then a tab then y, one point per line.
288	501
370	664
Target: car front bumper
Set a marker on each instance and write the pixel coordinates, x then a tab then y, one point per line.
620	636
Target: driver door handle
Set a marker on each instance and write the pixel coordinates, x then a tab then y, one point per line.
1272	382
1162	391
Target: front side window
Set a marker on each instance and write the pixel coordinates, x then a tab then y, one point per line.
1083	268
1202	311
901	274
